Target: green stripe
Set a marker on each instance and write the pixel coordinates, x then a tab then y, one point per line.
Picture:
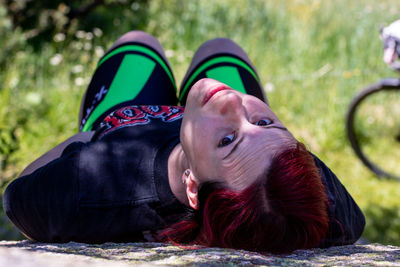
130	79
145	50
228	75
217	60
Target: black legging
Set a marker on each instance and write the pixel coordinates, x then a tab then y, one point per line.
135	71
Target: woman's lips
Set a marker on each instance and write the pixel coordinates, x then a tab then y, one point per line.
213	91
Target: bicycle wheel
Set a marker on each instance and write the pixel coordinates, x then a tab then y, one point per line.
373	127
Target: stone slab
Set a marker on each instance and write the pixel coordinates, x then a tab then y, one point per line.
29	254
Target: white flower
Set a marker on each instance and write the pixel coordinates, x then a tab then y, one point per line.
169	53
89	36
269	87
181	58
56	59
99	51
77	45
87	46
77	69
59	37
33	98
79	81
80	34
98	32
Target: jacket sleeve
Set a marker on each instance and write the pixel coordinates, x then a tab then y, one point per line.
346	221
43	204
56	152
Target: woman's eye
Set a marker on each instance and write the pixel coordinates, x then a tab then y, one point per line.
226	140
264	122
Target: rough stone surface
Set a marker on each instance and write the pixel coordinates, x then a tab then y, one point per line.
25	253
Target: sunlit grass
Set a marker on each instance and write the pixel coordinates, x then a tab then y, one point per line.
312	56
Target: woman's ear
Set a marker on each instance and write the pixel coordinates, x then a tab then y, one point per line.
191	189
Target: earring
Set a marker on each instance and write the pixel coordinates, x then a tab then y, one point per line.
187	173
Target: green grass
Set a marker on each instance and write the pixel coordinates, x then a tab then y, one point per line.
312	56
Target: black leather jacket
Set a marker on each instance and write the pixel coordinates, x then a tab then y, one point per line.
346	221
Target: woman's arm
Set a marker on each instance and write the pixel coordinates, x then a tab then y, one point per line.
56	152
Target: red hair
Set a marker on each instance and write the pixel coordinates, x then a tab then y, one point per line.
283	211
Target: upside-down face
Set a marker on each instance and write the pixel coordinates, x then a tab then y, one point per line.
228	136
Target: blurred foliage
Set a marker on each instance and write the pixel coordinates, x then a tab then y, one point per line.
383	223
37	36
40	20
312	56
12	40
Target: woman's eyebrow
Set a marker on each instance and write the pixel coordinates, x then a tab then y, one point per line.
277	127
234	148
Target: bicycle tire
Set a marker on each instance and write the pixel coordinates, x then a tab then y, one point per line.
383	85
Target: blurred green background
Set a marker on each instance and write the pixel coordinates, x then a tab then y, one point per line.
312	56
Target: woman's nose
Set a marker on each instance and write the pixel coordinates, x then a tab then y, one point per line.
232	105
